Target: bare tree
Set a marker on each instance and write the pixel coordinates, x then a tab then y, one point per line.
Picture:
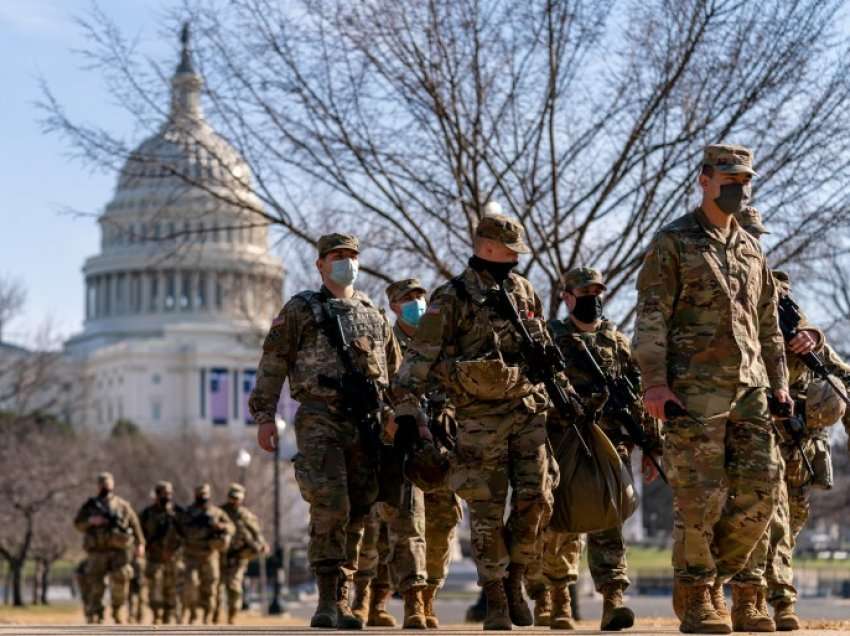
12	299
585	119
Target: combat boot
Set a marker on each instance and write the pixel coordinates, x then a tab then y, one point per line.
542	607
116	615
562	609
518	608
414	609
344	617
476	612
156	616
362	593
167	615
378	614
700	617
718	601
785	617
497	617
231	615
615	615
325	615
745	612
680	598
428	596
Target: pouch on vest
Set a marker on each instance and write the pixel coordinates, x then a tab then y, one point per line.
823	478
491	379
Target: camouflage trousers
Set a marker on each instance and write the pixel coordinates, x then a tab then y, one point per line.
493	452
162	584
723	472
374	550
442	514
200	580
137	596
406	539
232	576
771	561
114	564
337	479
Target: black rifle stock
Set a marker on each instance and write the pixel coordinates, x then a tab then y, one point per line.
794	426
542	362
789	322
621	396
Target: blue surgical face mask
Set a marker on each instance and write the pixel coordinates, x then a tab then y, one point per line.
412	311
344	272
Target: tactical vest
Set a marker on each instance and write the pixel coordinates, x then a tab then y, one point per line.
365	330
602	343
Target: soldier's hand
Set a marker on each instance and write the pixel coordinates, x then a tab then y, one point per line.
140	551
655	397
783	396
267	436
391	427
97	520
595	402
802	343
648	469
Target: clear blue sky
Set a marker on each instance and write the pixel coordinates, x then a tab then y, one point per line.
40	245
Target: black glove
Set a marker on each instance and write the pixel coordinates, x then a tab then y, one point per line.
595	402
407	434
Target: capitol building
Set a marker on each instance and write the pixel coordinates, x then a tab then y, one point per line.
184	287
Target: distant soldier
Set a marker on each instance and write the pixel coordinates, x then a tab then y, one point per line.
337	350
159	523
710	350
111	533
247	543
206	530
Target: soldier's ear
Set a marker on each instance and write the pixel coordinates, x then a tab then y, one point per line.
703	181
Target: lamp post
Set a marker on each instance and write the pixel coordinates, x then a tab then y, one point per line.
243	460
275	606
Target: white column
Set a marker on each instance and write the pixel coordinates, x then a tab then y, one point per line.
144	282
211	278
161	300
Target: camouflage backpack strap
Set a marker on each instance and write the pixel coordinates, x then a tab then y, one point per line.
315	301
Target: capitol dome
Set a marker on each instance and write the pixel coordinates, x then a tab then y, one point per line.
183	240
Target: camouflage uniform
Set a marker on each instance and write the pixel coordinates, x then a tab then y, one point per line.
246	544
159	523
334	472
108	548
83	587
463	345
707	327
137	596
206	530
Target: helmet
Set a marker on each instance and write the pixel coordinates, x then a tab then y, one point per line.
427	468
823	406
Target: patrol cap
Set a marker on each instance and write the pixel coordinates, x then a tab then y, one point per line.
236	491
330	242
582	277
729	158
750	219
202	491
397	290
163	487
105	479
507	231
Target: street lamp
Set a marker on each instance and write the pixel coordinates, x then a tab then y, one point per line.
243	460
275	606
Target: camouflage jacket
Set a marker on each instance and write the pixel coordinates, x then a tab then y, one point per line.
204	529
121	531
701	320
161	533
247	541
612	352
297	349
472	353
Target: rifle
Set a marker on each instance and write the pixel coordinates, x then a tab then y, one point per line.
104	511
542	361
361	396
794	426
789	322
621	397
434	407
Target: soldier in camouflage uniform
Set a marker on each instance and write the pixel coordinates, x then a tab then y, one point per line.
472	352
82	586
707	338
111	535
582	293
206	531
247	543
334	472
137	592
159	523
769	565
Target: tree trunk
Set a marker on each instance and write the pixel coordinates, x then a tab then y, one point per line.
45	580
35	570
16	569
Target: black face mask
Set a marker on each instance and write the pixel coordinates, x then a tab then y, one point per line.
588	309
164	501
104	492
733	197
202	501
499	271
